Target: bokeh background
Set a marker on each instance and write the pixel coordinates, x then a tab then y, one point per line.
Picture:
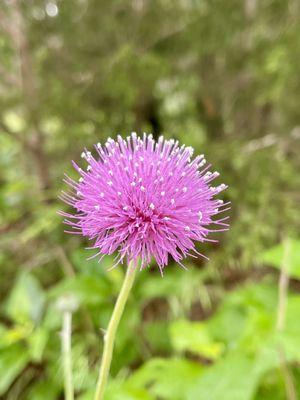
222	76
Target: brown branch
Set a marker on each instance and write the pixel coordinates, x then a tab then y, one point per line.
272	139
30	93
9	78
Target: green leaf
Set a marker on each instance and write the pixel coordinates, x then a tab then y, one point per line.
247	316
289	338
26	301
228	323
275	256
12	361
118	390
272	387
167	378
93	267
89	290
37	342
183	284
123	391
83	376
195	337
234	378
157	335
14	334
43	390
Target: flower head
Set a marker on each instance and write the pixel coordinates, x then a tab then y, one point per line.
144	199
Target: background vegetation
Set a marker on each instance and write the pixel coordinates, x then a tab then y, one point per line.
222	76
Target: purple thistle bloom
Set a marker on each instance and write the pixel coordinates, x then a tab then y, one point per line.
145	199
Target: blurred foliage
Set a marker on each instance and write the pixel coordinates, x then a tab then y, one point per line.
222	76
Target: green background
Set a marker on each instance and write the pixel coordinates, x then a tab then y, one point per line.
221	76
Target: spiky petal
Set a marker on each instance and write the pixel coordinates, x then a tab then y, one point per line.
144	199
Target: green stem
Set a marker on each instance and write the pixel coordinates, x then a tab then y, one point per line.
109	337
283	286
66	351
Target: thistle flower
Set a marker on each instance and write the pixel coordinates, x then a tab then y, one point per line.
145	199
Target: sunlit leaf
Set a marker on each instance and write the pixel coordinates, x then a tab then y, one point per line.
169	379
234	378
26	301
15	334
12	361
275	257
37	342
195	337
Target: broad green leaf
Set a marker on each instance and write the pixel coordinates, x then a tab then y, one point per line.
168	379
236	377
228	323
123	392
183	284
43	390
15	334
195	337
157	335
89	290
275	256
246	316
118	390
26	301
37	342
12	361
